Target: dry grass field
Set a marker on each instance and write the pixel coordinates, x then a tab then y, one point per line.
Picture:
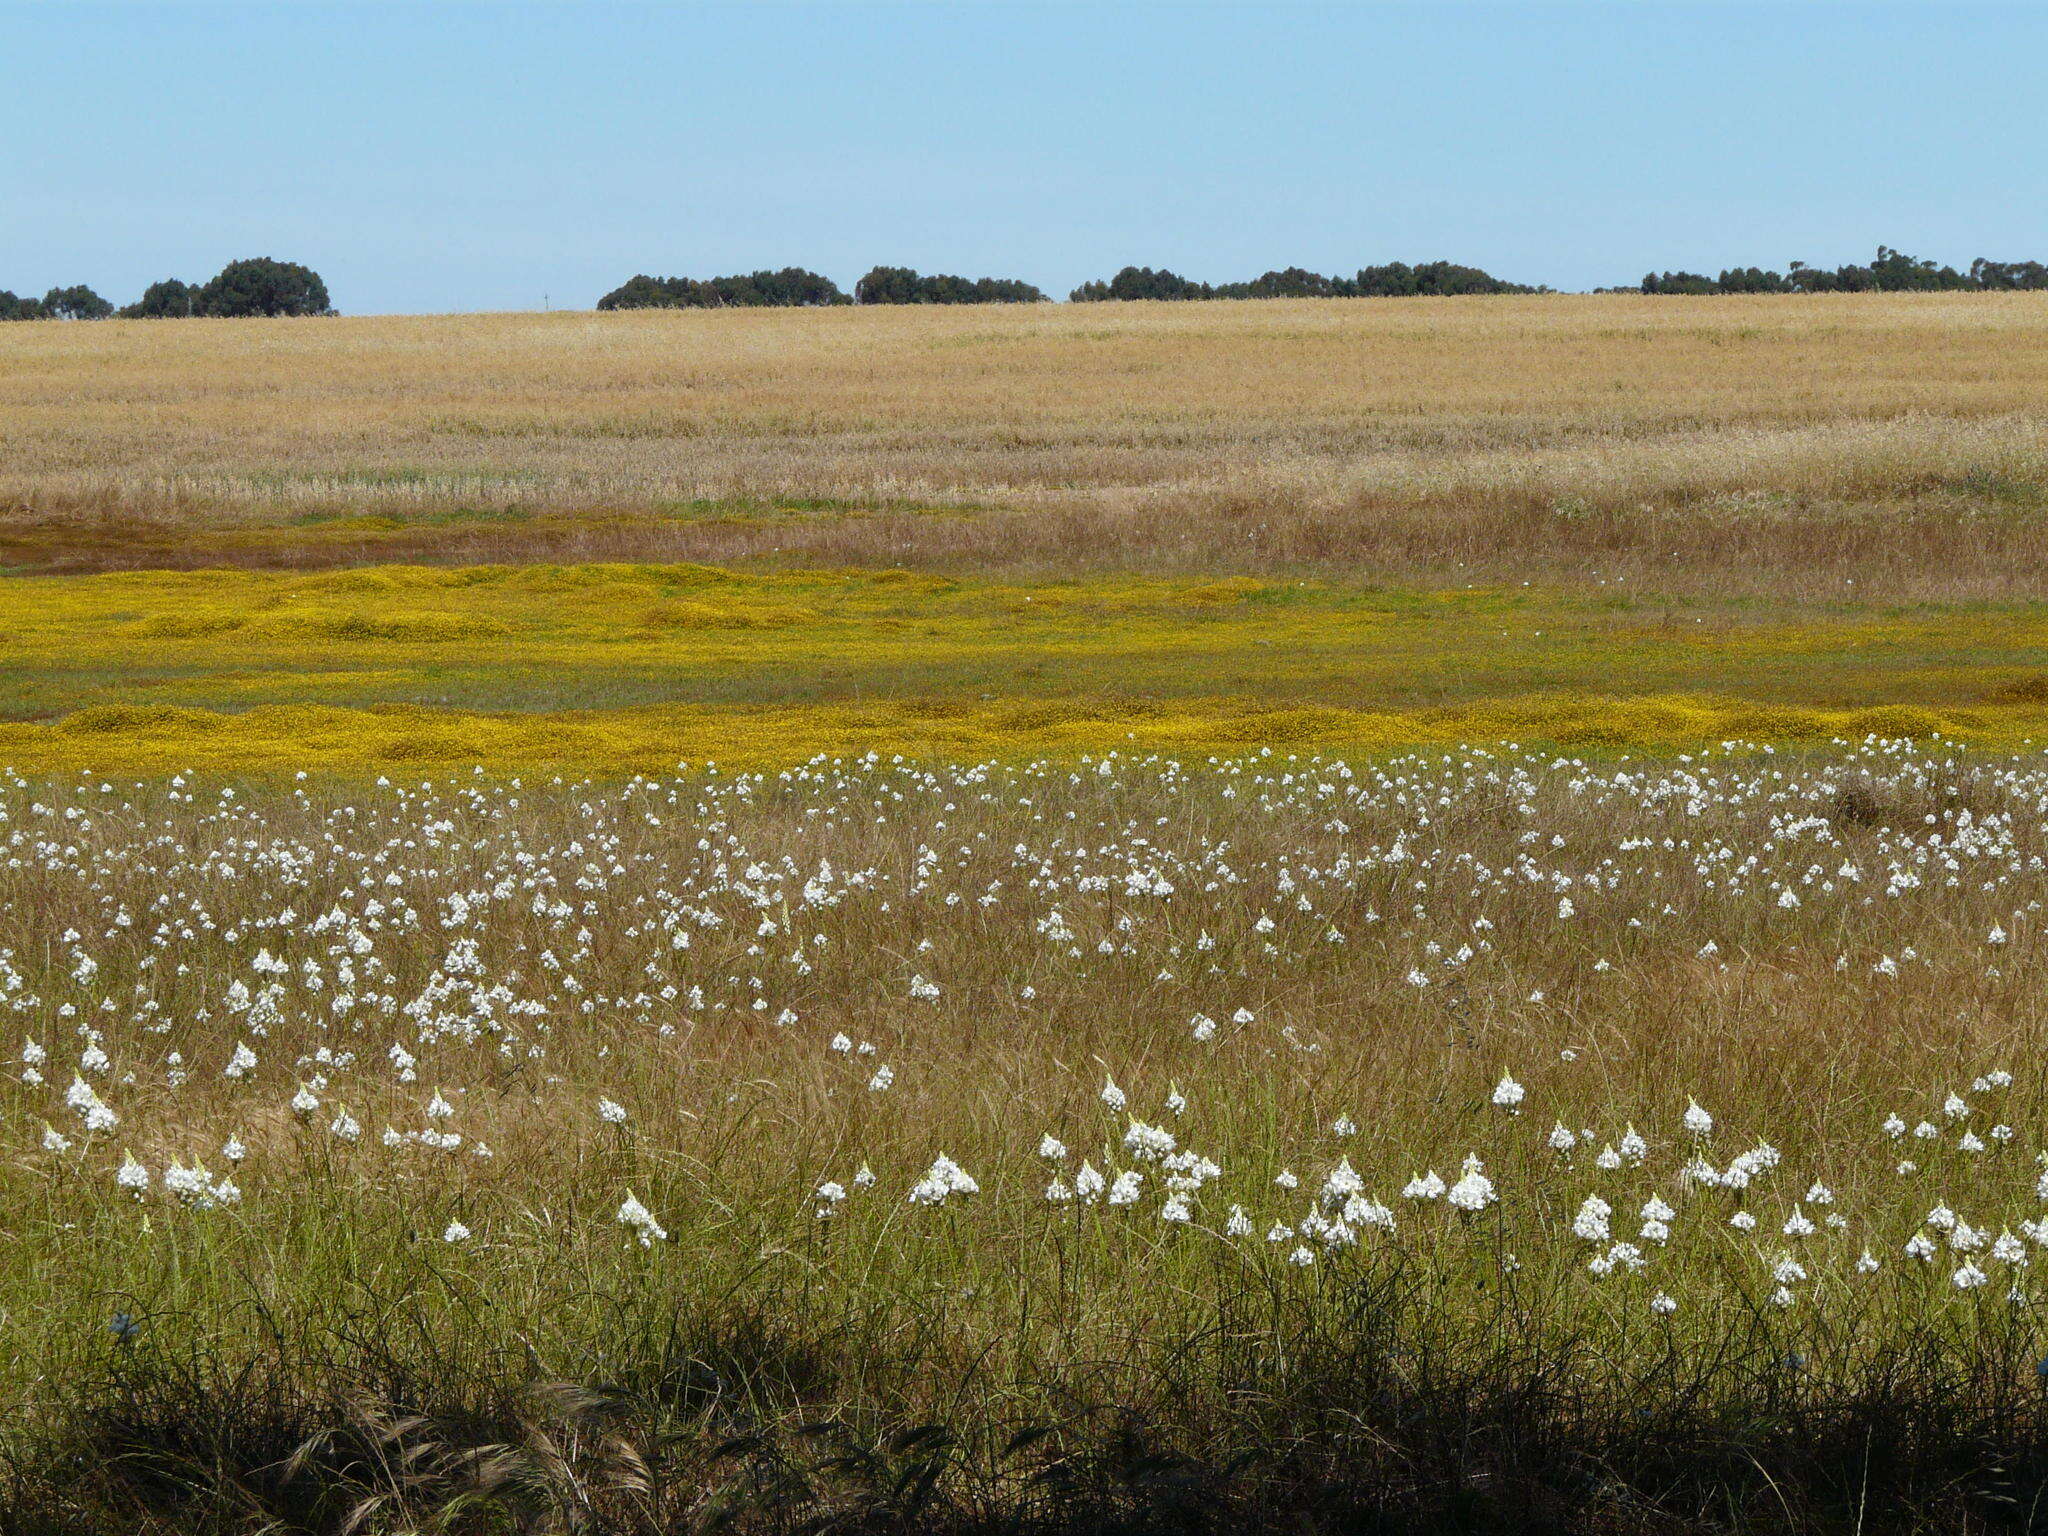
1892	445
1366	916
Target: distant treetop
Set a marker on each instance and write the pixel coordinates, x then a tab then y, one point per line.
167	300
791	287
1394	280
901	285
1890	272
264	287
904	285
75	303
256	286
1142	283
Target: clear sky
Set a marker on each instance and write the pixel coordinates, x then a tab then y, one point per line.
472	156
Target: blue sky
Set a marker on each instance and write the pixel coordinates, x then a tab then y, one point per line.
473	156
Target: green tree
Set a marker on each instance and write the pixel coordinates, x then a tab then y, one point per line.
1394	280
1680	282
1291	283
1985	273
262	286
792	287
1439	278
1752	280
1142	283
1895	272
167	300
887	285
902	285
1890	271
77	302
639	292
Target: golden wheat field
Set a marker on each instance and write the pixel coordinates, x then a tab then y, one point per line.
1801	447
1143	919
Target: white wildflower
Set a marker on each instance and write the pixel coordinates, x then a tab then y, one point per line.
636	1218
1473	1191
1590	1224
943	1179
132	1176
1428	1186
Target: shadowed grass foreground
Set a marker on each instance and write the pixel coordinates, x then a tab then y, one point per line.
1463	1141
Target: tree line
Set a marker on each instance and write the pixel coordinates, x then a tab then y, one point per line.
795	286
255	286
1397	279
263	286
1891	272
903	285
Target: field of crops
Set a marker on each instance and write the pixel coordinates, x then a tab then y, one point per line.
1337	916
